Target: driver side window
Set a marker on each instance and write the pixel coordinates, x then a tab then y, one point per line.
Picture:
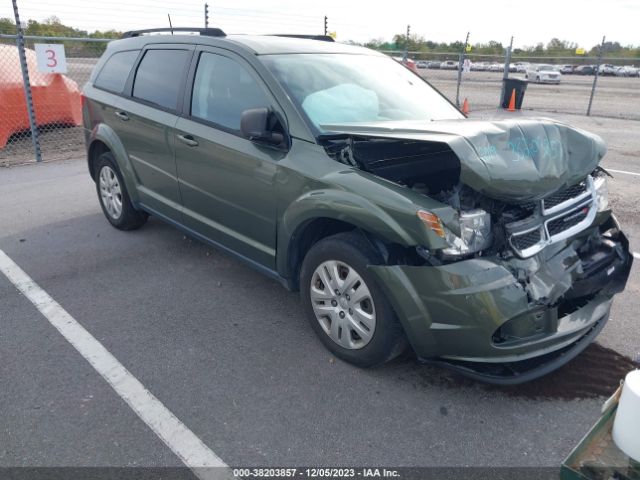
223	89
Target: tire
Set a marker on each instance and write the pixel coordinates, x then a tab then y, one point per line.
113	192
363	344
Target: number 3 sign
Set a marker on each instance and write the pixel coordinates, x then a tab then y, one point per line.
51	58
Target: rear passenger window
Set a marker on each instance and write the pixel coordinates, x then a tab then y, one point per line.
159	75
116	70
223	89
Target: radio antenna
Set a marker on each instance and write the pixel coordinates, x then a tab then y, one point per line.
170	26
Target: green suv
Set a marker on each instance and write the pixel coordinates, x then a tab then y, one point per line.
487	247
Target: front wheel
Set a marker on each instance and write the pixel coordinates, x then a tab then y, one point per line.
345	306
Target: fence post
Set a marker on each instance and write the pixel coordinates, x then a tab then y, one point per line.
595	77
460	62
505	72
26	84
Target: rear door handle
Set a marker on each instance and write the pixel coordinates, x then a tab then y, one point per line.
188	140
122	116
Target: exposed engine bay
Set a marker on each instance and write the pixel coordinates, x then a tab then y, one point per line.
580	258
433	169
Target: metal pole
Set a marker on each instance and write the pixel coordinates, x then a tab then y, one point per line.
595	78
206	15
326	28
460	62
26	84
406	44
505	73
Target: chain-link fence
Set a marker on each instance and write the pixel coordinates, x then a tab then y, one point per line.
617	93
56	98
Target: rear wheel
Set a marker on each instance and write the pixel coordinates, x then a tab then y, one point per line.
346	308
114	198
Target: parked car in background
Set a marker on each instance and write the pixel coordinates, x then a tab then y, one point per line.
449	65
433	64
567	69
543	73
585	70
627	71
402	223
606	69
521	67
422	64
496	67
513	67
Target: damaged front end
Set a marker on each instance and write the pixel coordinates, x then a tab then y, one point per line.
531	257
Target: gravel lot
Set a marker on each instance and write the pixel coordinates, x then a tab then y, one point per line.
616	97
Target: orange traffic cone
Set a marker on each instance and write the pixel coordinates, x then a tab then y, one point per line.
465	106
512	102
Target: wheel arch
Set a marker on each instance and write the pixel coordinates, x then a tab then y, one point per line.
310	232
103	139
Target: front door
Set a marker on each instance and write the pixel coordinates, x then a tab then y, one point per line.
227	183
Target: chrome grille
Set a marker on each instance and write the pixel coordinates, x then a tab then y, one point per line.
565	222
527	240
560	216
562	196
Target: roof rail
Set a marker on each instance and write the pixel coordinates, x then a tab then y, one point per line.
209	32
322	38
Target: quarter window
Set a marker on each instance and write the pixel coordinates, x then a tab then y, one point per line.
159	77
223	89
116	70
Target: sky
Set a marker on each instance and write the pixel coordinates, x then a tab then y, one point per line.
583	22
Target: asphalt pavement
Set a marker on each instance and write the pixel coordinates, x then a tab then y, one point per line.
229	353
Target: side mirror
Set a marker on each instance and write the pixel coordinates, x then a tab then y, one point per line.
258	125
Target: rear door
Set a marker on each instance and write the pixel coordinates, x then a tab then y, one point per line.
226	181
146	120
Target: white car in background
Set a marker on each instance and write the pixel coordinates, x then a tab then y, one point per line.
449	65
543	74
627	71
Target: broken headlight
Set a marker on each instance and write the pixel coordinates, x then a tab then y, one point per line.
602	192
475	233
472	235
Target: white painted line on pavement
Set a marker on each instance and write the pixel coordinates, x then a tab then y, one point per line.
182	441
636	255
622	171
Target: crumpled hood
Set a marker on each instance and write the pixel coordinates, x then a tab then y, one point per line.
510	160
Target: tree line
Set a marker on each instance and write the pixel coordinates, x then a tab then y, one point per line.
554	48
53	27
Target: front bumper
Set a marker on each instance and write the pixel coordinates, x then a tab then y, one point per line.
492	319
549	80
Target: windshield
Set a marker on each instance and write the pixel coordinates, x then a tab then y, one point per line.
341	88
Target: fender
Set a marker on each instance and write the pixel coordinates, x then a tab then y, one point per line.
105	134
351	208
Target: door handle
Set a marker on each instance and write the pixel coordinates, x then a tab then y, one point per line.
122	116
188	140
